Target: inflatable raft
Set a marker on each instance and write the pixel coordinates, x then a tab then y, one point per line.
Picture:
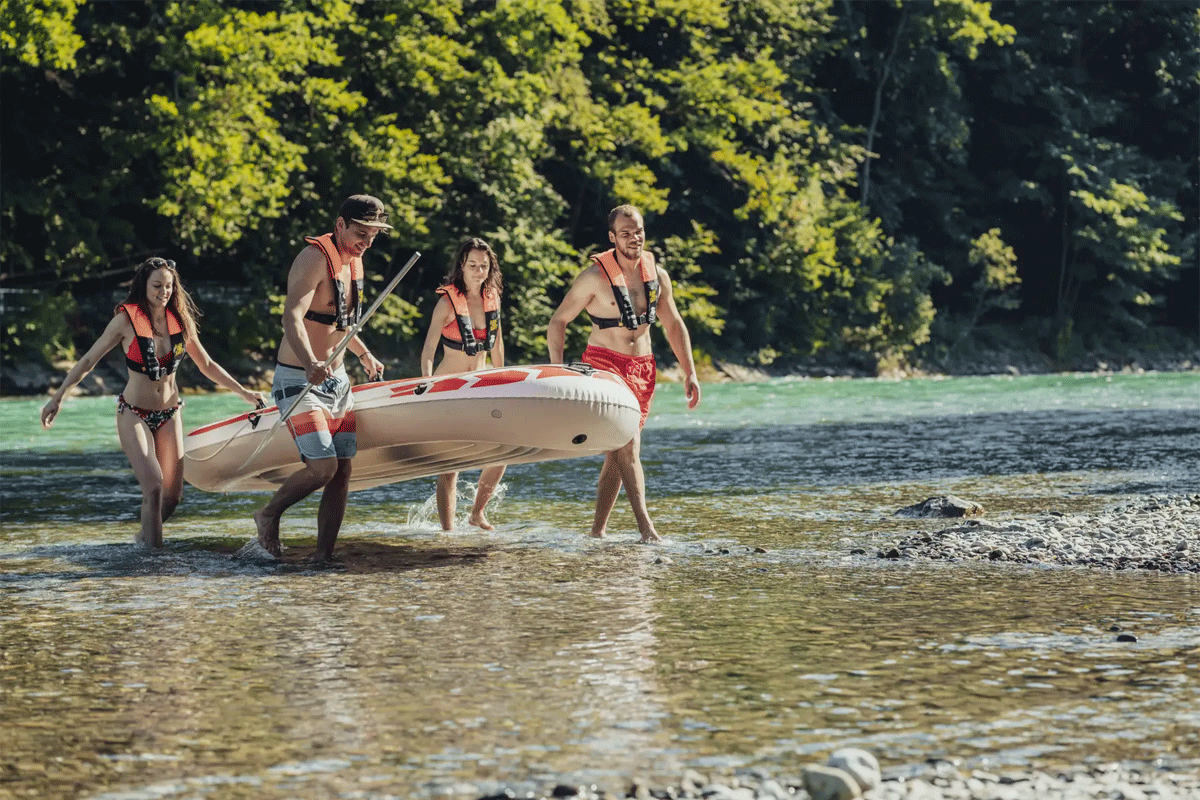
418	427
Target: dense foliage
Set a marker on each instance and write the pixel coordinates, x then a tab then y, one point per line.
861	183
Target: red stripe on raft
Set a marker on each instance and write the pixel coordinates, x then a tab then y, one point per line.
448	385
405	389
225	422
502	378
555	371
398	387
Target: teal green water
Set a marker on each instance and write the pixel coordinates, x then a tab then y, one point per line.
810	401
433	664
85	424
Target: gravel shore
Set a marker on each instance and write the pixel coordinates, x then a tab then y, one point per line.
1160	533
935	780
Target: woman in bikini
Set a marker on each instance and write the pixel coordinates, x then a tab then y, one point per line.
466	322
156	327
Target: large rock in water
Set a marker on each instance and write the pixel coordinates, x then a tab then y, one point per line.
941	507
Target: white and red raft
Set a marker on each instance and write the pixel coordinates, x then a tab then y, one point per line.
418	427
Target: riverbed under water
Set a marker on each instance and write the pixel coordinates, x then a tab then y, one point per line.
428	663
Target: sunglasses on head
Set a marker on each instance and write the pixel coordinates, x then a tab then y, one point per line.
162	262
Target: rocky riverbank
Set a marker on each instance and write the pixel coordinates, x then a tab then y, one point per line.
1160	533
937	779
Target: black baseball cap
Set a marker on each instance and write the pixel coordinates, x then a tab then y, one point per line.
365	210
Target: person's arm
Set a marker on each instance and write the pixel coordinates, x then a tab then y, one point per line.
577	299
678	337
217	374
306	274
370	364
433	336
110	338
497	354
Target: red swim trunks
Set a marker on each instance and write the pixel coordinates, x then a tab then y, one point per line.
638	372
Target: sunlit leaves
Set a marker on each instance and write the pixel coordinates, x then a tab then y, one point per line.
968	24
228	159
997	266
39	33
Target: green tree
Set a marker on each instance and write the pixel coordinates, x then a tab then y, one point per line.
812	172
1074	164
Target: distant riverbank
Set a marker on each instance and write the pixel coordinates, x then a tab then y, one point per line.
109	376
980	362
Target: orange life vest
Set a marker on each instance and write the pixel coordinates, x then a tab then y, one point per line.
460	334
141	356
348	311
612	270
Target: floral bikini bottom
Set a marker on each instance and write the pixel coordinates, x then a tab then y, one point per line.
153	419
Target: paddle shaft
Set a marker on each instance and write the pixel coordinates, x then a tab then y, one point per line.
337	351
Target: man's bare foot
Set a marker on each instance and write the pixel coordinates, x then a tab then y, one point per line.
480	520
651	537
597	534
143	542
268	533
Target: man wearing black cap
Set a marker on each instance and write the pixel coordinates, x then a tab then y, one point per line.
324	299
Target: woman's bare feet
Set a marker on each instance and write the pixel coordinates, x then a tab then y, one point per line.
489	479
479	520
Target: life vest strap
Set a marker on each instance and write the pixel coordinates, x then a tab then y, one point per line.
607	261
143	332
321	319
348	311
468	342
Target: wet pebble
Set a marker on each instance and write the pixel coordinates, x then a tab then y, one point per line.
1158	533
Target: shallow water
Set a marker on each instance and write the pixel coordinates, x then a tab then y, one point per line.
430	664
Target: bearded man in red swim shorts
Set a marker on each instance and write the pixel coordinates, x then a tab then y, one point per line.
624	292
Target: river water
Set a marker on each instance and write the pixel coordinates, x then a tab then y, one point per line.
431	664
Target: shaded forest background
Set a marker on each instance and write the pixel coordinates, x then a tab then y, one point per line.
866	186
